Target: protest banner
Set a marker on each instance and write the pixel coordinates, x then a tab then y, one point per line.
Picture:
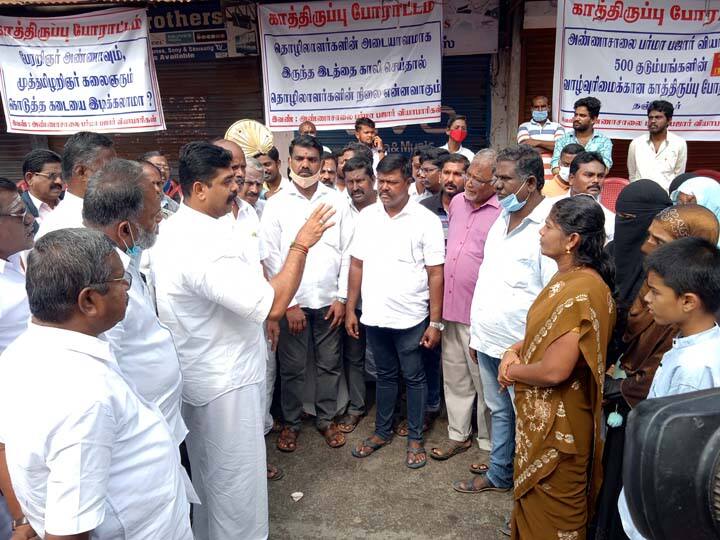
471	27
630	53
332	62
93	71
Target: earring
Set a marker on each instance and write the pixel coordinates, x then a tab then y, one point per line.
568	250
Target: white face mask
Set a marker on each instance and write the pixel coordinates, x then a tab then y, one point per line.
564	173
305	181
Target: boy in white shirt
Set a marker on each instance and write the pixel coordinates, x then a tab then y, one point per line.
684	282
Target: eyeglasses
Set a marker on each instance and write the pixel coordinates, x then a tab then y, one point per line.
425	170
126	277
52	176
478	181
328	171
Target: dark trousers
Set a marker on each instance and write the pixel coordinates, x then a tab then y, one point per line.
292	359
354	365
395	352
431	363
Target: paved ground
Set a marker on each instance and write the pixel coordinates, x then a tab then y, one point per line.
378	497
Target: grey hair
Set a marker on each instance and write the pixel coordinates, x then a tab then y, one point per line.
528	162
486	155
61	265
255	166
82	149
114	194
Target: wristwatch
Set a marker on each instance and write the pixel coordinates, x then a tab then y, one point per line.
437	326
19	522
342	300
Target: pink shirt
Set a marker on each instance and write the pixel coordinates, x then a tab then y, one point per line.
467	231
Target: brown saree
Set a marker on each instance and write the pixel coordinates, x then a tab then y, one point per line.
558	451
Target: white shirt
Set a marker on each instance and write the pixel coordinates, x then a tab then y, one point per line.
661	166
417	197
145	351
14	308
67	215
328	263
247	228
86	453
511	276
42	208
395	252
214	301
692	364
462	150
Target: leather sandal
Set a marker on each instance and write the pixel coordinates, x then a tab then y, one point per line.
287	441
452	448
333	436
368	443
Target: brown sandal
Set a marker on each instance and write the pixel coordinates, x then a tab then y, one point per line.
274	473
452	448
333	436
287	441
349	422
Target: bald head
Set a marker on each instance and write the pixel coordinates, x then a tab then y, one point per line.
238	163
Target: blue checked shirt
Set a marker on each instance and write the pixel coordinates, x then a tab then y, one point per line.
598	143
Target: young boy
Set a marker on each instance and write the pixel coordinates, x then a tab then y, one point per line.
684	282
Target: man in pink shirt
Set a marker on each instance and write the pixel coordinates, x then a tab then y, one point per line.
470	217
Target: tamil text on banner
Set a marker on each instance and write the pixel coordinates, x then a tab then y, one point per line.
333	62
628	54
93	71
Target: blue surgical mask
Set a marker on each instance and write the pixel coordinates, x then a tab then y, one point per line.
511	203
539	116
133	251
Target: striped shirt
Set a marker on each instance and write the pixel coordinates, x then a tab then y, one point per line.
549	131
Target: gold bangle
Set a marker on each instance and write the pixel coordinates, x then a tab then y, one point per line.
299	247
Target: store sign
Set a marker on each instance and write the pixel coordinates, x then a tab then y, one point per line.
471	27
628	54
93	71
200	31
332	62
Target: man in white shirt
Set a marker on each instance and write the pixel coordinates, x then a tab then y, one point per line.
83	154
214	300
511	276
457	131
274	180
122	202
16	236
352	150
252	186
658	155
397	264
316	313
360	182
417	189
587	176
100	462
42	173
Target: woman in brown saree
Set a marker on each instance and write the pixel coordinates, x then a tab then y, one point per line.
558	372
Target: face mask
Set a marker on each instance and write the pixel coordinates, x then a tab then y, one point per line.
458	135
305	181
539	116
511	203
564	173
135	250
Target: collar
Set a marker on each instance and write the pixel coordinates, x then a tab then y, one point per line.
407	209
539	213
37	202
595	134
187	213
73	341
14	262
321	191
492	201
72	199
680	342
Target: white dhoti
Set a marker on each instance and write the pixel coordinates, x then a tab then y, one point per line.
226	447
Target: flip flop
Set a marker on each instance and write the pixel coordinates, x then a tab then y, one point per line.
279	473
455	447
368	443
468	486
415	452
349	422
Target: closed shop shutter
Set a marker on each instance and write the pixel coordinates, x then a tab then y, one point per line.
466	91
200	101
536	78
13	147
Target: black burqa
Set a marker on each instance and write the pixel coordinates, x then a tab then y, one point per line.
635	209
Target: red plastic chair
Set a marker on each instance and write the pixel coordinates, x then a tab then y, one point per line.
710	173
611	190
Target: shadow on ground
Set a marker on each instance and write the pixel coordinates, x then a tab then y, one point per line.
378	497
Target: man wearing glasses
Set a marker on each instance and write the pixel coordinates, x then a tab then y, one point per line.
470	217
42	173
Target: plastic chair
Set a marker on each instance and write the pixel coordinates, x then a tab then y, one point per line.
611	190
710	173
